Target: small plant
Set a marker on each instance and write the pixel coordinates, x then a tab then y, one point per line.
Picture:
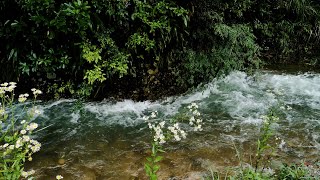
151	166
163	132
263	142
16	143
295	172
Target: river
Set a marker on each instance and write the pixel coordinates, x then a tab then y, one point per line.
110	140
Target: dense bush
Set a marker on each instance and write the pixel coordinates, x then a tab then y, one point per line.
234	48
228	35
87	47
80	42
283	28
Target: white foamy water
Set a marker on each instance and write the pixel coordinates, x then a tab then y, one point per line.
240	95
107	132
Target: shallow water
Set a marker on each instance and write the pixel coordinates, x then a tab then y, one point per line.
110	140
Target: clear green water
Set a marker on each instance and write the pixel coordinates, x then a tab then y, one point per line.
109	140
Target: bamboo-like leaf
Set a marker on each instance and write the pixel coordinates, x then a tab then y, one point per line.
155	168
149	159
158	158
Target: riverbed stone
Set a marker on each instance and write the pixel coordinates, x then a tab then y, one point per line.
61	161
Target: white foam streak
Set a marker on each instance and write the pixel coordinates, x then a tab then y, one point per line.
56	103
242	96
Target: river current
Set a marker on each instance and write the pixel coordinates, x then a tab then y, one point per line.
110	140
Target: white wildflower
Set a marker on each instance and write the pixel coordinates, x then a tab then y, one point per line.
26	138
4	84
5	145
22	98
31	172
194	105
11	88
27	174
162	124
198	128
146	118
24	174
34	142
23	132
37	112
183	134
11	147
35	148
32	126
23	121
176	125
36	91
153	115
177	138
59	177
19	143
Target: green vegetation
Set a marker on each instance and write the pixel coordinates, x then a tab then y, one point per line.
93	48
16	141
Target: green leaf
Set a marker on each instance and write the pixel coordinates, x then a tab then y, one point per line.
149	159
162	151
158	158
185	21
147	168
11	54
155	168
154	177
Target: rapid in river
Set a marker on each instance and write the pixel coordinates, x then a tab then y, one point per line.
110	139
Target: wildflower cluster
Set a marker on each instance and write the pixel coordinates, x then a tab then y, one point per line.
16	143
177	132
26	174
7	87
157	128
36	92
195	119
23	141
162	132
23	97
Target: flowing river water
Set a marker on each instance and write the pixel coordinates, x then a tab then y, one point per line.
110	140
